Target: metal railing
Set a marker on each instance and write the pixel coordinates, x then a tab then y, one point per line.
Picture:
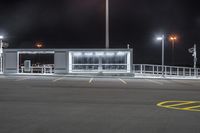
156	70
38	69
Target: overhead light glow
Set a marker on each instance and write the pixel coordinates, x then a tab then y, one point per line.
173	38
159	38
1	37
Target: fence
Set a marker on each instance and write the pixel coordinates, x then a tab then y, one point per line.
156	70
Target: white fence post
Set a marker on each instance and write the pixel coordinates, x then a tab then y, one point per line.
170	71
153	69
178	71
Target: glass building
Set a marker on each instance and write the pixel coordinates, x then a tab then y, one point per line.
64	61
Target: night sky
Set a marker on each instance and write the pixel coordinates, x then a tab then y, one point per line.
81	24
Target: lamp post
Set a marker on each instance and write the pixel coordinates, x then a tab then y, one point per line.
107	24
173	39
162	38
1	52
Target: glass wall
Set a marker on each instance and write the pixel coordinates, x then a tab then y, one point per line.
99	61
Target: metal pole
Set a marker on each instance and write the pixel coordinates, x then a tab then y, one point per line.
1	51
195	59
195	56
163	44
107	24
173	51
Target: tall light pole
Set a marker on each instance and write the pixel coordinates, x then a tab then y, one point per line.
162	38
107	24
1	52
173	39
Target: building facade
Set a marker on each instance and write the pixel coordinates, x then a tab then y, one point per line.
67	61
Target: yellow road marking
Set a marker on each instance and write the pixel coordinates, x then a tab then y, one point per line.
179	104
192	107
176	105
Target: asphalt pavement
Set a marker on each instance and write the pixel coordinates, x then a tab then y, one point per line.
38	104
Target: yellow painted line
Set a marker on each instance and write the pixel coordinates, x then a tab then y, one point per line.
192	107
179	104
123	81
175	105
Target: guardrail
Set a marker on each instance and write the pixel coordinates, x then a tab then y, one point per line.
156	70
37	69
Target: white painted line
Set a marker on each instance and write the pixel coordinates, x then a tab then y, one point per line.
154	81
90	81
123	81
55	80
22	79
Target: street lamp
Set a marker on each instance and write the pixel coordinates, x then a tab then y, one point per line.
162	38
39	44
173	39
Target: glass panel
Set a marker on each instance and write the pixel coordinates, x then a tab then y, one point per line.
99	60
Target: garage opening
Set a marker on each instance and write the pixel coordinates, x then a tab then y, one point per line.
41	62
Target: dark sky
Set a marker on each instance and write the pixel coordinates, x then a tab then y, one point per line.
81	24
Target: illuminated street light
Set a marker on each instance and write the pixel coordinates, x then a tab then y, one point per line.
159	38
39	44
162	38
173	39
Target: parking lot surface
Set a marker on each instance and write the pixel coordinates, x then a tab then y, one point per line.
38	104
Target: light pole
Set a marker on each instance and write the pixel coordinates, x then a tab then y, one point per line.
162	38
173	39
107	24
1	52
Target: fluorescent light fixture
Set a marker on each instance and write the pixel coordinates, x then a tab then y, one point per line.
1	37
99	53
110	53
77	53
88	54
